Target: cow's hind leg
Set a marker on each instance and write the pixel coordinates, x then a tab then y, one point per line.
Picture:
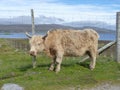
93	62
92	54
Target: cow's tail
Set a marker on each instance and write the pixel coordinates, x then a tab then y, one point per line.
96	34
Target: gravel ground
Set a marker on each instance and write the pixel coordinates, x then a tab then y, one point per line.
104	86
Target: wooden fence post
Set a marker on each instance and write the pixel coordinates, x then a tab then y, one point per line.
118	37
33	32
33	23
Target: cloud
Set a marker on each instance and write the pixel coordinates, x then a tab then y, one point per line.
106	13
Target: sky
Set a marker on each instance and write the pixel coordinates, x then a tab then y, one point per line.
69	10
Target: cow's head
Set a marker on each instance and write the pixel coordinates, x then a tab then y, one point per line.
36	44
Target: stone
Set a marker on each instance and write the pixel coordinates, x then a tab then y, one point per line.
10	86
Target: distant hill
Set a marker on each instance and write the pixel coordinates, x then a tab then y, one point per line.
16	28
90	24
27	20
54	20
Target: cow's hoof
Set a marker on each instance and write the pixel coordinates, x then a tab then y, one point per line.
34	67
51	69
91	68
57	70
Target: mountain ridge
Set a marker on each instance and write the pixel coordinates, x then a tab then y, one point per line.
41	19
18	28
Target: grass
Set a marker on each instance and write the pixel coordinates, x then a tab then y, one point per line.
16	67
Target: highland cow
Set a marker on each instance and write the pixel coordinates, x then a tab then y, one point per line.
58	43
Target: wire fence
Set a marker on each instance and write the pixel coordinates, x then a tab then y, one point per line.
19	44
23	45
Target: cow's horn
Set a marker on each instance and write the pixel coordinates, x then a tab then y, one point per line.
28	35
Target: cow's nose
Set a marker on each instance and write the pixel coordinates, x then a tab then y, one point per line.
32	53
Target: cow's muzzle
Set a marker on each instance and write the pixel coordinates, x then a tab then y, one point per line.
32	53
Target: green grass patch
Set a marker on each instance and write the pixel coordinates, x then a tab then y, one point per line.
16	67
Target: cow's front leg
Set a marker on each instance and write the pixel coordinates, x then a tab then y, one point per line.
52	66
58	62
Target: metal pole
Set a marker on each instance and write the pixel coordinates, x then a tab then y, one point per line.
33	23
118	37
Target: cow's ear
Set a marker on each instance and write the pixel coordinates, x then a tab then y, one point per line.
28	35
44	37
